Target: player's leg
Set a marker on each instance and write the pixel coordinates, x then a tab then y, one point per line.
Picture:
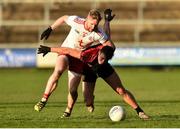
114	81
111	77
60	67
88	92
74	77
88	85
73	83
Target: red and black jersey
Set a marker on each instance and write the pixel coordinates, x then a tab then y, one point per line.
90	54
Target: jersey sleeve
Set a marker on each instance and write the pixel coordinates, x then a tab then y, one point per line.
90	54
73	21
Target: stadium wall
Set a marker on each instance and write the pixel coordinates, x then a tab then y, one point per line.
146	56
123	56
17	57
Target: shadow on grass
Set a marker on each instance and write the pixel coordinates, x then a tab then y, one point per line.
165	118
97	103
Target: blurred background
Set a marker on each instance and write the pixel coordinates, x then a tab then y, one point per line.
146	32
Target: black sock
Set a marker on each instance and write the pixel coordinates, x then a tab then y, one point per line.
138	109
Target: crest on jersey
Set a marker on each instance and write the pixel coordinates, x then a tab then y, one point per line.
79	20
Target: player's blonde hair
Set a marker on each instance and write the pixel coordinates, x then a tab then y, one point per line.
95	14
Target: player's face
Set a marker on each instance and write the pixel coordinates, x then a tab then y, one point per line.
90	23
101	58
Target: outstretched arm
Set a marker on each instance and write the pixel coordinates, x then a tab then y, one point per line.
69	51
106	29
60	50
108	17
57	23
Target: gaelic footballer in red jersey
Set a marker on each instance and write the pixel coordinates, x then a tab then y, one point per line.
97	57
98	54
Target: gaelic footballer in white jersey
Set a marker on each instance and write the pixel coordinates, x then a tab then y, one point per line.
79	37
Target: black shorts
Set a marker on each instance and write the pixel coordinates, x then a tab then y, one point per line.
102	71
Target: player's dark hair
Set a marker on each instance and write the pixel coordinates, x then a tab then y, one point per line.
108	52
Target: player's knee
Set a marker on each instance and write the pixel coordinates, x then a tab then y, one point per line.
57	74
121	91
73	93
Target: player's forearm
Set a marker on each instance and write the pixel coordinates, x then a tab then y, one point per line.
107	29
66	51
59	22
108	33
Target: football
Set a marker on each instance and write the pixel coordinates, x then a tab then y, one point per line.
117	113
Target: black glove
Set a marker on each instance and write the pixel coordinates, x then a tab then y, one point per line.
107	15
44	50
46	33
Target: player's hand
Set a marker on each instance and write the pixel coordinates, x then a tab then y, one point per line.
46	33
44	50
108	15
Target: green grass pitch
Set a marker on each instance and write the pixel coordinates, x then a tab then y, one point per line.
157	91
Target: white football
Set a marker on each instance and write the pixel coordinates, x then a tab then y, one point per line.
117	113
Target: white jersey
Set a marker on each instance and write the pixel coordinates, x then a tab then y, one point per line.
79	37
